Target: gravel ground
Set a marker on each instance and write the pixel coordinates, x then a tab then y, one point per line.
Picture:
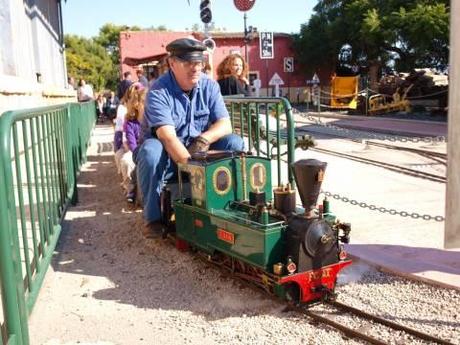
108	285
427	308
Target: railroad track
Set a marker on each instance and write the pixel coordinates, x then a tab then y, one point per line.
389	166
340	309
370	318
438	156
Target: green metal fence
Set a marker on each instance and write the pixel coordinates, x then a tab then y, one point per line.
268	125
41	152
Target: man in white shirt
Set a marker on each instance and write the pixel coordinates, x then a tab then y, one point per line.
85	91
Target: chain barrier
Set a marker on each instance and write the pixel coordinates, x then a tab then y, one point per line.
409	98
381	209
353	133
369	90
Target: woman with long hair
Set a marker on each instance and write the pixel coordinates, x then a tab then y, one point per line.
232	75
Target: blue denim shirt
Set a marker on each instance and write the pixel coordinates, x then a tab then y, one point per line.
167	104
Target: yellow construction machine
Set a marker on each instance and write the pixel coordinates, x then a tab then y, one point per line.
381	104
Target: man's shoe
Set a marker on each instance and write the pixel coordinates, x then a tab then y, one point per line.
153	230
131	198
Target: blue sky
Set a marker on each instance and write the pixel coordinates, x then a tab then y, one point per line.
85	17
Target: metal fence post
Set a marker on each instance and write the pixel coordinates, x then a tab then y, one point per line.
11	281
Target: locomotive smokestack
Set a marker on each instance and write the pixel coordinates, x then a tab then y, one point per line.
309	175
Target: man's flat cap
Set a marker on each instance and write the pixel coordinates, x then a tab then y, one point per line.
186	49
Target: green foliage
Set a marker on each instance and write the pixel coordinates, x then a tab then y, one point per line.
109	37
87	60
412	33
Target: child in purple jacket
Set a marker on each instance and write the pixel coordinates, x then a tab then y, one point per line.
132	130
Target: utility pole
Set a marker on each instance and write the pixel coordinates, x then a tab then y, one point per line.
452	224
246	54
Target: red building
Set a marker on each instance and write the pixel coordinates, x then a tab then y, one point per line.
145	49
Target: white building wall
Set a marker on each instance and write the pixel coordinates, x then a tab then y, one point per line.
32	70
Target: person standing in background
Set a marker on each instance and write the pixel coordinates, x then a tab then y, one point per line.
152	78
100	103
110	106
232	76
141	78
84	92
124	84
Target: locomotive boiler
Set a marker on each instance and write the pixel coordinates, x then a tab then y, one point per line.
228	210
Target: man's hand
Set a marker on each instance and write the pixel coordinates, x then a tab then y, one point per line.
200	144
218	130
175	148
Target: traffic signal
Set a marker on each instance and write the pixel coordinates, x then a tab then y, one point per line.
205	11
249	33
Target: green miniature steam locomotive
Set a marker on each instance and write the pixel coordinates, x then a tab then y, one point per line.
227	209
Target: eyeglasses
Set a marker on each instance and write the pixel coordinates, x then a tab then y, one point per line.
191	64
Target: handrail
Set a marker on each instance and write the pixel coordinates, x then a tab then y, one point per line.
249	124
41	151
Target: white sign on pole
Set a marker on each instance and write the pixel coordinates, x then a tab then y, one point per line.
266	45
288	64
315	79
257	85
276	81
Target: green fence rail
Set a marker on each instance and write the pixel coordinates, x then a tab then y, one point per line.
41	152
269	128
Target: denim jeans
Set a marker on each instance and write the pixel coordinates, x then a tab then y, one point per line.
154	167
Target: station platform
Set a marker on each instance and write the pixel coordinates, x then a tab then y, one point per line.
411	248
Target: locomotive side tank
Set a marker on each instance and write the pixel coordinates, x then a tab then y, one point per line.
232	218
215	218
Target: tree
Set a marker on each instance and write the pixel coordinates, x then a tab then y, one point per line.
109	38
88	60
409	34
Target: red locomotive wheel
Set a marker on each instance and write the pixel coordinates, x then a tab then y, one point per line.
244	5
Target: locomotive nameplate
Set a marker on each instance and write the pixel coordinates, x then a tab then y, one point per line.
226	236
319	274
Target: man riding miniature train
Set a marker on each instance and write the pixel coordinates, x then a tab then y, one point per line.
184	113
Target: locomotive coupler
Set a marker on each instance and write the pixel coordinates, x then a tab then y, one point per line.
327	294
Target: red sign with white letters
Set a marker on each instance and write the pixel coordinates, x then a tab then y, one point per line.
244	5
225	236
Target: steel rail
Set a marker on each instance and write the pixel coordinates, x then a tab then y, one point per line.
353	333
389	166
373	143
350	332
252	283
410	149
389	323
